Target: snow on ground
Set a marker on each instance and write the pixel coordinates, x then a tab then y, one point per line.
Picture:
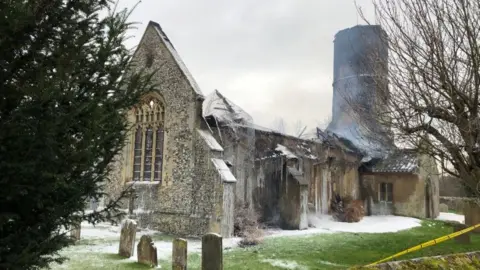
284	264
111	235
108	235
451	217
102	230
369	224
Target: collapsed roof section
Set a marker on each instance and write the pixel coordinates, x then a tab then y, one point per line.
372	144
330	139
217	108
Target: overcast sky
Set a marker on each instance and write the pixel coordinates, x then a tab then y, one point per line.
273	58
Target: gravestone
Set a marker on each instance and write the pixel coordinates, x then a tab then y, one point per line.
464	238
472	214
127	238
179	254
443	207
146	251
75	232
212	252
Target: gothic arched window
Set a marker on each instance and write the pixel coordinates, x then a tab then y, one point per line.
148	140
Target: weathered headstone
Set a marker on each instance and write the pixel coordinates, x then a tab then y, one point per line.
75	232
472	214
146	251
464	238
443	207
127	238
179	254
212	252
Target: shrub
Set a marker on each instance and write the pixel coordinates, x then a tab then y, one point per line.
345	209
354	212
246	225
252	237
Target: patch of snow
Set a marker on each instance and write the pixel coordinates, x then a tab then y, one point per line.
138	183
366	159
105	231
307	150
101	230
178	59
370	145
369	224
164	248
210	140
451	217
224	110
284	264
284	150
223	170
332	264
142	211
306	232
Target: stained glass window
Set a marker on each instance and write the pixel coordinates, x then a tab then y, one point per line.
158	155
137	155
147	164
148	141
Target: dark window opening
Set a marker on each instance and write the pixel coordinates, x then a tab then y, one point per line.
386	192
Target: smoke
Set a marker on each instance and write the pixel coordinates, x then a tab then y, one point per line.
355	91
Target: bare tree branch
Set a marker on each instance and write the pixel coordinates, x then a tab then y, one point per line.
432	99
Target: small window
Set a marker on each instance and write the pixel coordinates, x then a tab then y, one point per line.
386	192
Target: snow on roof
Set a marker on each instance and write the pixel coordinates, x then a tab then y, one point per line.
177	58
223	170
306	150
223	109
297	175
400	161
284	150
370	146
330	139
210	140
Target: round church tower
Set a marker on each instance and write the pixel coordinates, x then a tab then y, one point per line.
360	69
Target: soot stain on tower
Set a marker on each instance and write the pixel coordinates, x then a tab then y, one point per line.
360	71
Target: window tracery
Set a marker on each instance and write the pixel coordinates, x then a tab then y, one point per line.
148	140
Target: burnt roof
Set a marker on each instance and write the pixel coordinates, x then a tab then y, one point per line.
331	139
224	110
297	175
399	161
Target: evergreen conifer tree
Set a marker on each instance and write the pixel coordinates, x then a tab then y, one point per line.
66	83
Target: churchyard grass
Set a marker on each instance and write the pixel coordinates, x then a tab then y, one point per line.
320	251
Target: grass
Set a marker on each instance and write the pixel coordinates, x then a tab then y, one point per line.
322	251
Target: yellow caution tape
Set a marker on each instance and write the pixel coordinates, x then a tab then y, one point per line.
427	244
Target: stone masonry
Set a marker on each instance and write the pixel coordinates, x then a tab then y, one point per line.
198	189
183	203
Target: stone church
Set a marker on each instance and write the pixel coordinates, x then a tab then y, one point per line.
192	158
